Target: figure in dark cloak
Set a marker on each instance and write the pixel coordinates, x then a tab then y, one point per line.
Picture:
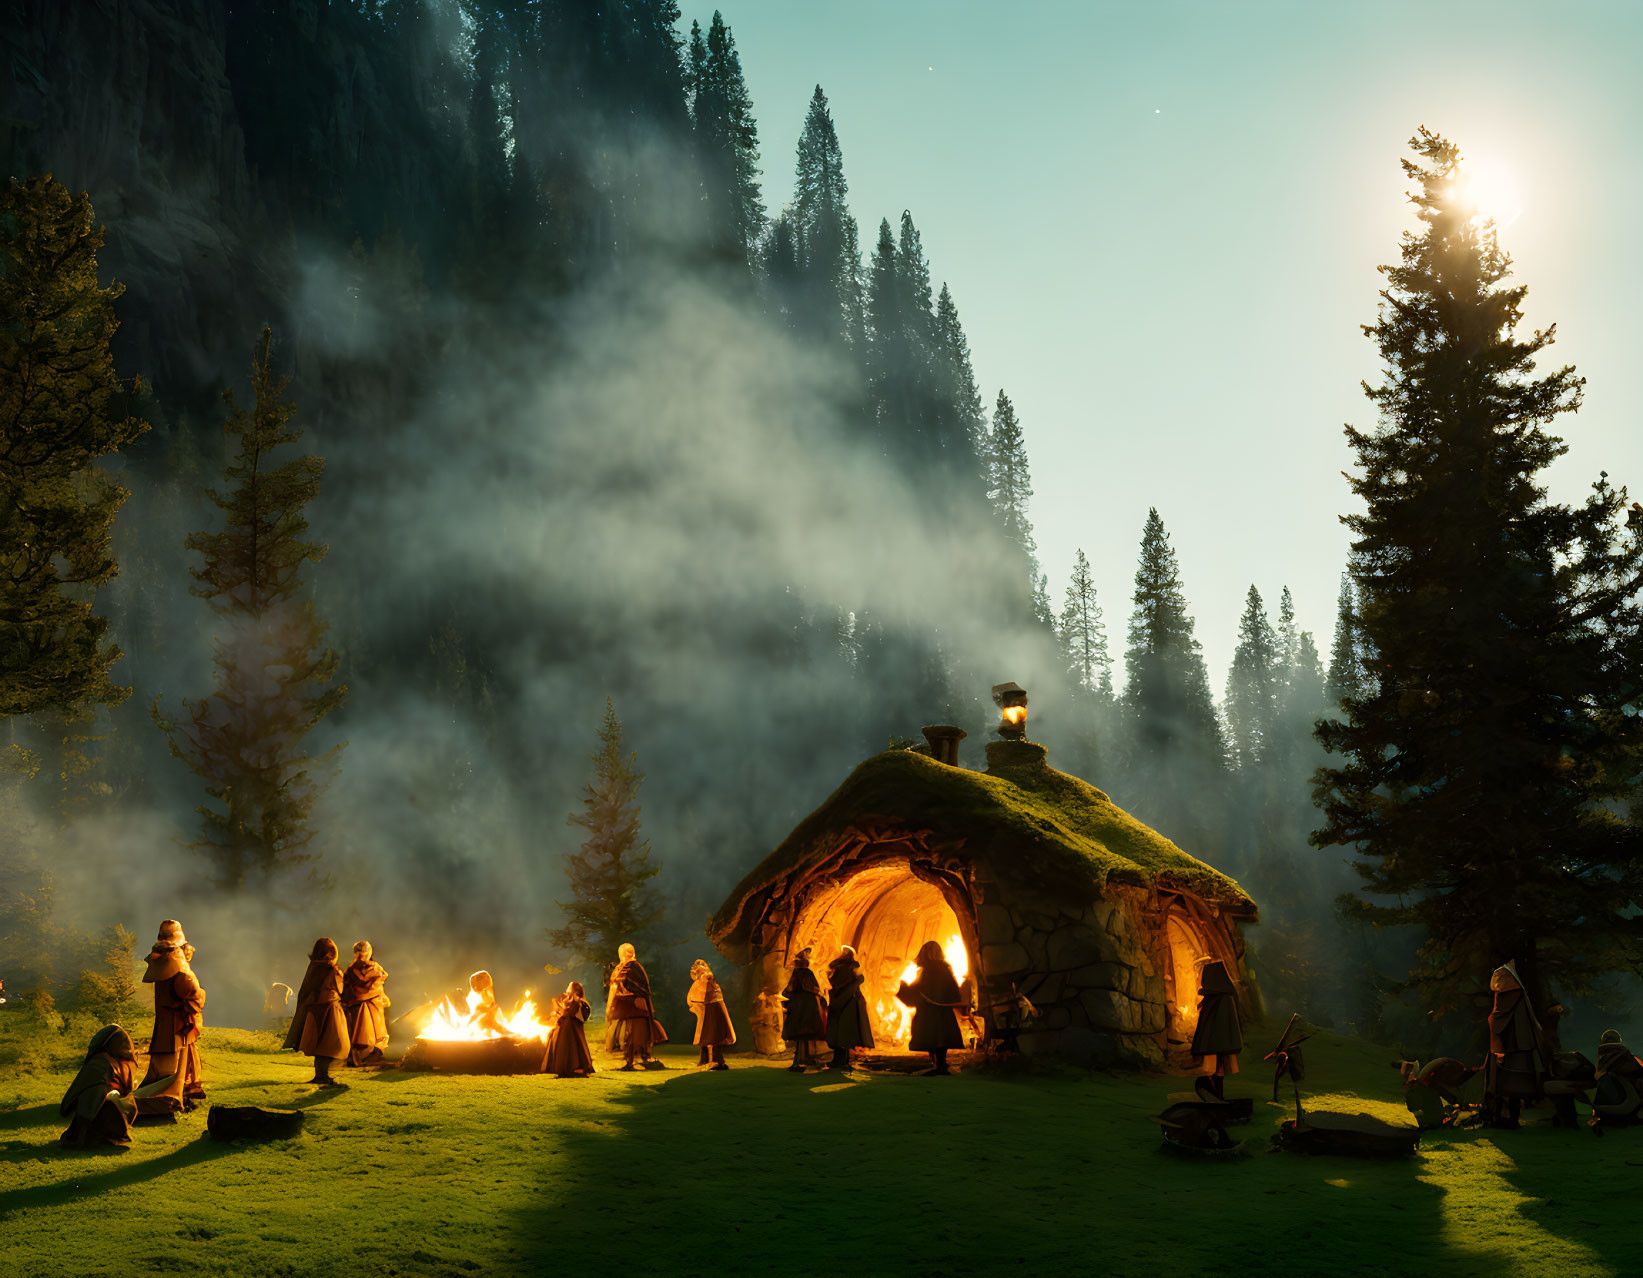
318	1028
1618	1099
804	1014
179	1012
1515	1068
848	1026
936	1001
633	1007
365	1004
567	1054
98	1102
714	1031
1218	1034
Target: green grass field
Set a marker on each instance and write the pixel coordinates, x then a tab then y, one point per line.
758	1171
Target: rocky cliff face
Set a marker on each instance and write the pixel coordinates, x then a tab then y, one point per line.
130	101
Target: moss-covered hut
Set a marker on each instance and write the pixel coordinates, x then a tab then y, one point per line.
1051	889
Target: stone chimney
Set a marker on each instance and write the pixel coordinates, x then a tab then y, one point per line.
944	739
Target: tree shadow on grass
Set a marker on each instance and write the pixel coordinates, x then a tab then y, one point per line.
1583	1190
756	1171
122	1172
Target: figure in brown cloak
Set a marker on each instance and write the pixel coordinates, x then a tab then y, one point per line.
1218	1033
632	1007
935	999
804	1014
714	1031
179	1007
567	1054
847	1024
1516	1064
318	1029
365	1004
98	1102
1618	1100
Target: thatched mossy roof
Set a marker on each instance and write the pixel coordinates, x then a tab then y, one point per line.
1055	828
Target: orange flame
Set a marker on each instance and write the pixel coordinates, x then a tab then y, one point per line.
451	1024
1013	715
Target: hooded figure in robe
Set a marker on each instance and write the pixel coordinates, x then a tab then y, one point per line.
1618	1099
1218	1033
714	1031
936	1000
98	1102
567	1054
179	1008
632	1007
319	1029
1516	1065
365	1004
804	1013
848	1025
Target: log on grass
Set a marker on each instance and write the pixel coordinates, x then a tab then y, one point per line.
249	1122
1354	1135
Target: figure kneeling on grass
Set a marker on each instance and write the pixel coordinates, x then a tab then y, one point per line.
714	1031
179	1012
1218	1033
848	1026
936	1000
318	1028
567	1054
98	1102
804	1015
365	1004
632	1007
1618	1100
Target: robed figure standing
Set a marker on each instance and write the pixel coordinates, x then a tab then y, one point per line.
179	1011
1219	1034
365	1005
319	1029
98	1102
804	1013
935	998
567	1054
633	1008
1516	1065
848	1025
714	1031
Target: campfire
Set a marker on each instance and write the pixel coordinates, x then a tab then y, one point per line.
480	1038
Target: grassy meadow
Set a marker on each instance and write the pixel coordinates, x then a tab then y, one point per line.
758	1171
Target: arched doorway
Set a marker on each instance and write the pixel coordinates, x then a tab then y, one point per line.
887	913
1185	952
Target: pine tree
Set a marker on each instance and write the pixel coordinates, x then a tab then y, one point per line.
957	383
273	677
1254	684
60	410
1009	488
829	255
1084	634
1288	634
1347	678
613	900
727	135
1483	771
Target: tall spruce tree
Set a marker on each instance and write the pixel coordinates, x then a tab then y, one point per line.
956	383
1084	634
612	897
61	409
1483	772
1347	677
727	136
273	674
1254	685
829	255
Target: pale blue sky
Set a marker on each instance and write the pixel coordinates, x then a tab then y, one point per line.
1161	224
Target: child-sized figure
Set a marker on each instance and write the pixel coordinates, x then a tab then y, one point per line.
935	999
567	1054
482	1007
365	1004
848	1026
632	1007
1515	1068
179	1010
98	1102
1218	1033
714	1031
804	1019
1618	1098
318	1028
